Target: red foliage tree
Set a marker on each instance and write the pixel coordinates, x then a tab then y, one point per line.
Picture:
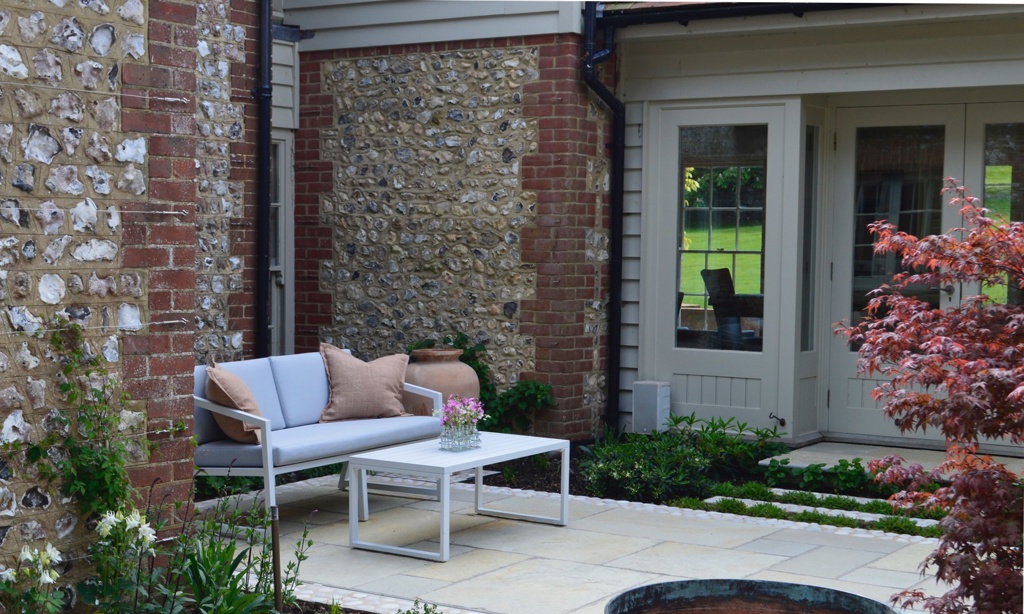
959	370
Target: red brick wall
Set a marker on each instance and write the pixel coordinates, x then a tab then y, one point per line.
158	360
314	177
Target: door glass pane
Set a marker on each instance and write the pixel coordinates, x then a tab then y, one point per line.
720	297
275	205
808	238
899	178
1003	193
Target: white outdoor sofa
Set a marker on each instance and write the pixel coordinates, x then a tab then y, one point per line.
291	391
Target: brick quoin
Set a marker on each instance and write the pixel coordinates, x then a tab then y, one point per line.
559	101
313	180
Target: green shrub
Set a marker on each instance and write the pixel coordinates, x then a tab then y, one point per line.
730	506
690	503
835	502
756	491
649	468
723	489
823	518
797	497
877	506
767	510
732	446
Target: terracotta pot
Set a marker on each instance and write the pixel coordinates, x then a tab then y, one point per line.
439	369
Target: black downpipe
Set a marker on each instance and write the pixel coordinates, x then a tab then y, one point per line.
262	93
615	198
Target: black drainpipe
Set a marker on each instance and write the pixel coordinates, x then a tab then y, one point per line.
262	93
618	151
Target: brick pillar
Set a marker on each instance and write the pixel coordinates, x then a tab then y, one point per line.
158	360
567	315
314	178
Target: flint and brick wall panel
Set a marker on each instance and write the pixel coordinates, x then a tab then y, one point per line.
457	187
98	185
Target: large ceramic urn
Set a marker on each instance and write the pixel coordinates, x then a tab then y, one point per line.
439	369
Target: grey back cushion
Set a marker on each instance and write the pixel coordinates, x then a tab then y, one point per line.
302	387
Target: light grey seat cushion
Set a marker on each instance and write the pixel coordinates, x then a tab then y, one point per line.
302	387
310	442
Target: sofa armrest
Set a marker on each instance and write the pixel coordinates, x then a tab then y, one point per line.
433	395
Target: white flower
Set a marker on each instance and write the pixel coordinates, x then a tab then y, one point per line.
133	520
106	524
54	554
26	554
48	577
8	576
147	534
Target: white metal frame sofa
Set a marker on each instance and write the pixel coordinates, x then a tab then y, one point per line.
291	393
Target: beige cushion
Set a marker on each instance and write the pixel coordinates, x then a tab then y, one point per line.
225	388
363	389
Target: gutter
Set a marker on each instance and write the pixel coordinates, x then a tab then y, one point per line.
682	14
262	94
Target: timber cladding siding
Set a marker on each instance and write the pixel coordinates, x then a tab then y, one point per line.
457	187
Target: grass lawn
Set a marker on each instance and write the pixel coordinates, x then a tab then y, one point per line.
715	252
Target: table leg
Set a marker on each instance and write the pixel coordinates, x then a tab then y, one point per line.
565	487
355	496
445	485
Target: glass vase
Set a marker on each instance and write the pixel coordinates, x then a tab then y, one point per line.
459	437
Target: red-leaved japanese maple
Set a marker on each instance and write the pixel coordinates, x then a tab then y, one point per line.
959	370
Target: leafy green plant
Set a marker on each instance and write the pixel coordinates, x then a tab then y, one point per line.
776	472
220	562
29	586
828	519
730	506
812	477
650	468
849	476
767	510
732	446
797	497
421	608
835	502
85	450
756	491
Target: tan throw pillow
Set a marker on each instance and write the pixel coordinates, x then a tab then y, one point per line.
363	389
225	388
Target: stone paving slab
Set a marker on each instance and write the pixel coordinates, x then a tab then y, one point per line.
510	567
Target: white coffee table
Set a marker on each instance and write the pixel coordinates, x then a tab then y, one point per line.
426	460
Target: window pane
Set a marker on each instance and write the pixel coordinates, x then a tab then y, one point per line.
809	239
721	242
898	178
1003	193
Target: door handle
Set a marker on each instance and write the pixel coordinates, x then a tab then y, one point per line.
948	289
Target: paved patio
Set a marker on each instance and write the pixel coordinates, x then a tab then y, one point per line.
514	567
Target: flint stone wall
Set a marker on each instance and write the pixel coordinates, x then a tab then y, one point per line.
458	187
69	171
428	204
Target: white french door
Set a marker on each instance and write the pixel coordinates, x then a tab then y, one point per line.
890	164
711	305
